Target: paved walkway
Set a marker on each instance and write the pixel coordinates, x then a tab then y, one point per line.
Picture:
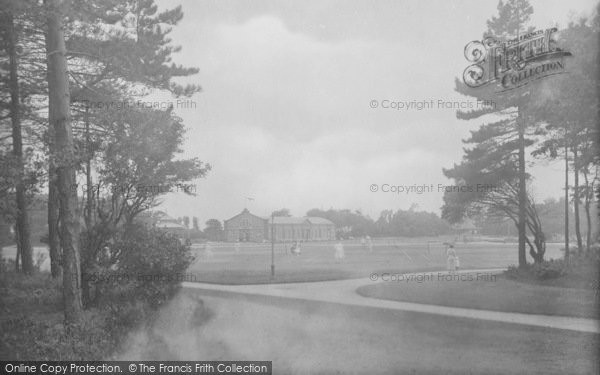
344	292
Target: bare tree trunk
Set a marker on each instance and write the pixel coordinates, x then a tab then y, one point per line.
53	205
576	200
566	200
59	101
18	254
22	217
522	194
589	191
88	174
88	211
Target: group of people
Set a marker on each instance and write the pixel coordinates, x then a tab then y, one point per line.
452	260
339	254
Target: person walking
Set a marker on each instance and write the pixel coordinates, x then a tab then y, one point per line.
451	259
369	244
208	251
295	249
339	251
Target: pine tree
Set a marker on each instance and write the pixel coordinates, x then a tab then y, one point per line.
498	155
60	120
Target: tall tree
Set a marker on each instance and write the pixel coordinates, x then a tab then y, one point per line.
10	45
569	106
64	157
507	136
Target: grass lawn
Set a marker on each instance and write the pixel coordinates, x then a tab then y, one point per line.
252	264
499	295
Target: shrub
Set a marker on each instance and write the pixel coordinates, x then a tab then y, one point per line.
550	269
150	265
581	271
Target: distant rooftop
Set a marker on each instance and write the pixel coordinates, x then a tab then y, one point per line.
300	220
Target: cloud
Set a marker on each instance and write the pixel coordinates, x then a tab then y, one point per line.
285	118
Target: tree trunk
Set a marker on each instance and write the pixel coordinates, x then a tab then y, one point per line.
589	191
18	254
22	216
59	101
53	240
522	194
566	200
576	200
89	205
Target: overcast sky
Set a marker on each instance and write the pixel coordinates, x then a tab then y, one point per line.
285	113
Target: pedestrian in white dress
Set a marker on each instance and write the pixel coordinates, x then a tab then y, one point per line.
451	261
370	244
295	250
208	251
339	251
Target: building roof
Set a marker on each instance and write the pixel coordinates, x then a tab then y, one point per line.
159	219
319	220
244	211
301	220
289	220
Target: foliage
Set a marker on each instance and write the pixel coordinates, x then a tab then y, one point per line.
411	224
213	230
402	223
579	271
284	212
143	264
347	223
32	326
34	329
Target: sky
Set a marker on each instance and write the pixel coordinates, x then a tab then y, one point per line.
286	114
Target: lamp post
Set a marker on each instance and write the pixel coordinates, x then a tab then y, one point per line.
272	245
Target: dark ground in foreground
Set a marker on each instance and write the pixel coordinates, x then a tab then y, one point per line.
308	337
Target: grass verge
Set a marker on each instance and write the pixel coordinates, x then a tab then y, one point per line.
499	294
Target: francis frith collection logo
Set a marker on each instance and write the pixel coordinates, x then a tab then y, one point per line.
514	63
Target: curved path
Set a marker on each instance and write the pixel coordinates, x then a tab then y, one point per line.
344	292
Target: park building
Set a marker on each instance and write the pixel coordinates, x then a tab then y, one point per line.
247	227
163	222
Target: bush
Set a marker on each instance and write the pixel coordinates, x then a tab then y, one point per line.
581	271
32	326
550	269
150	265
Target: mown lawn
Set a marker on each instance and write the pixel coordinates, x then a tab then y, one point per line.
500	294
251	265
